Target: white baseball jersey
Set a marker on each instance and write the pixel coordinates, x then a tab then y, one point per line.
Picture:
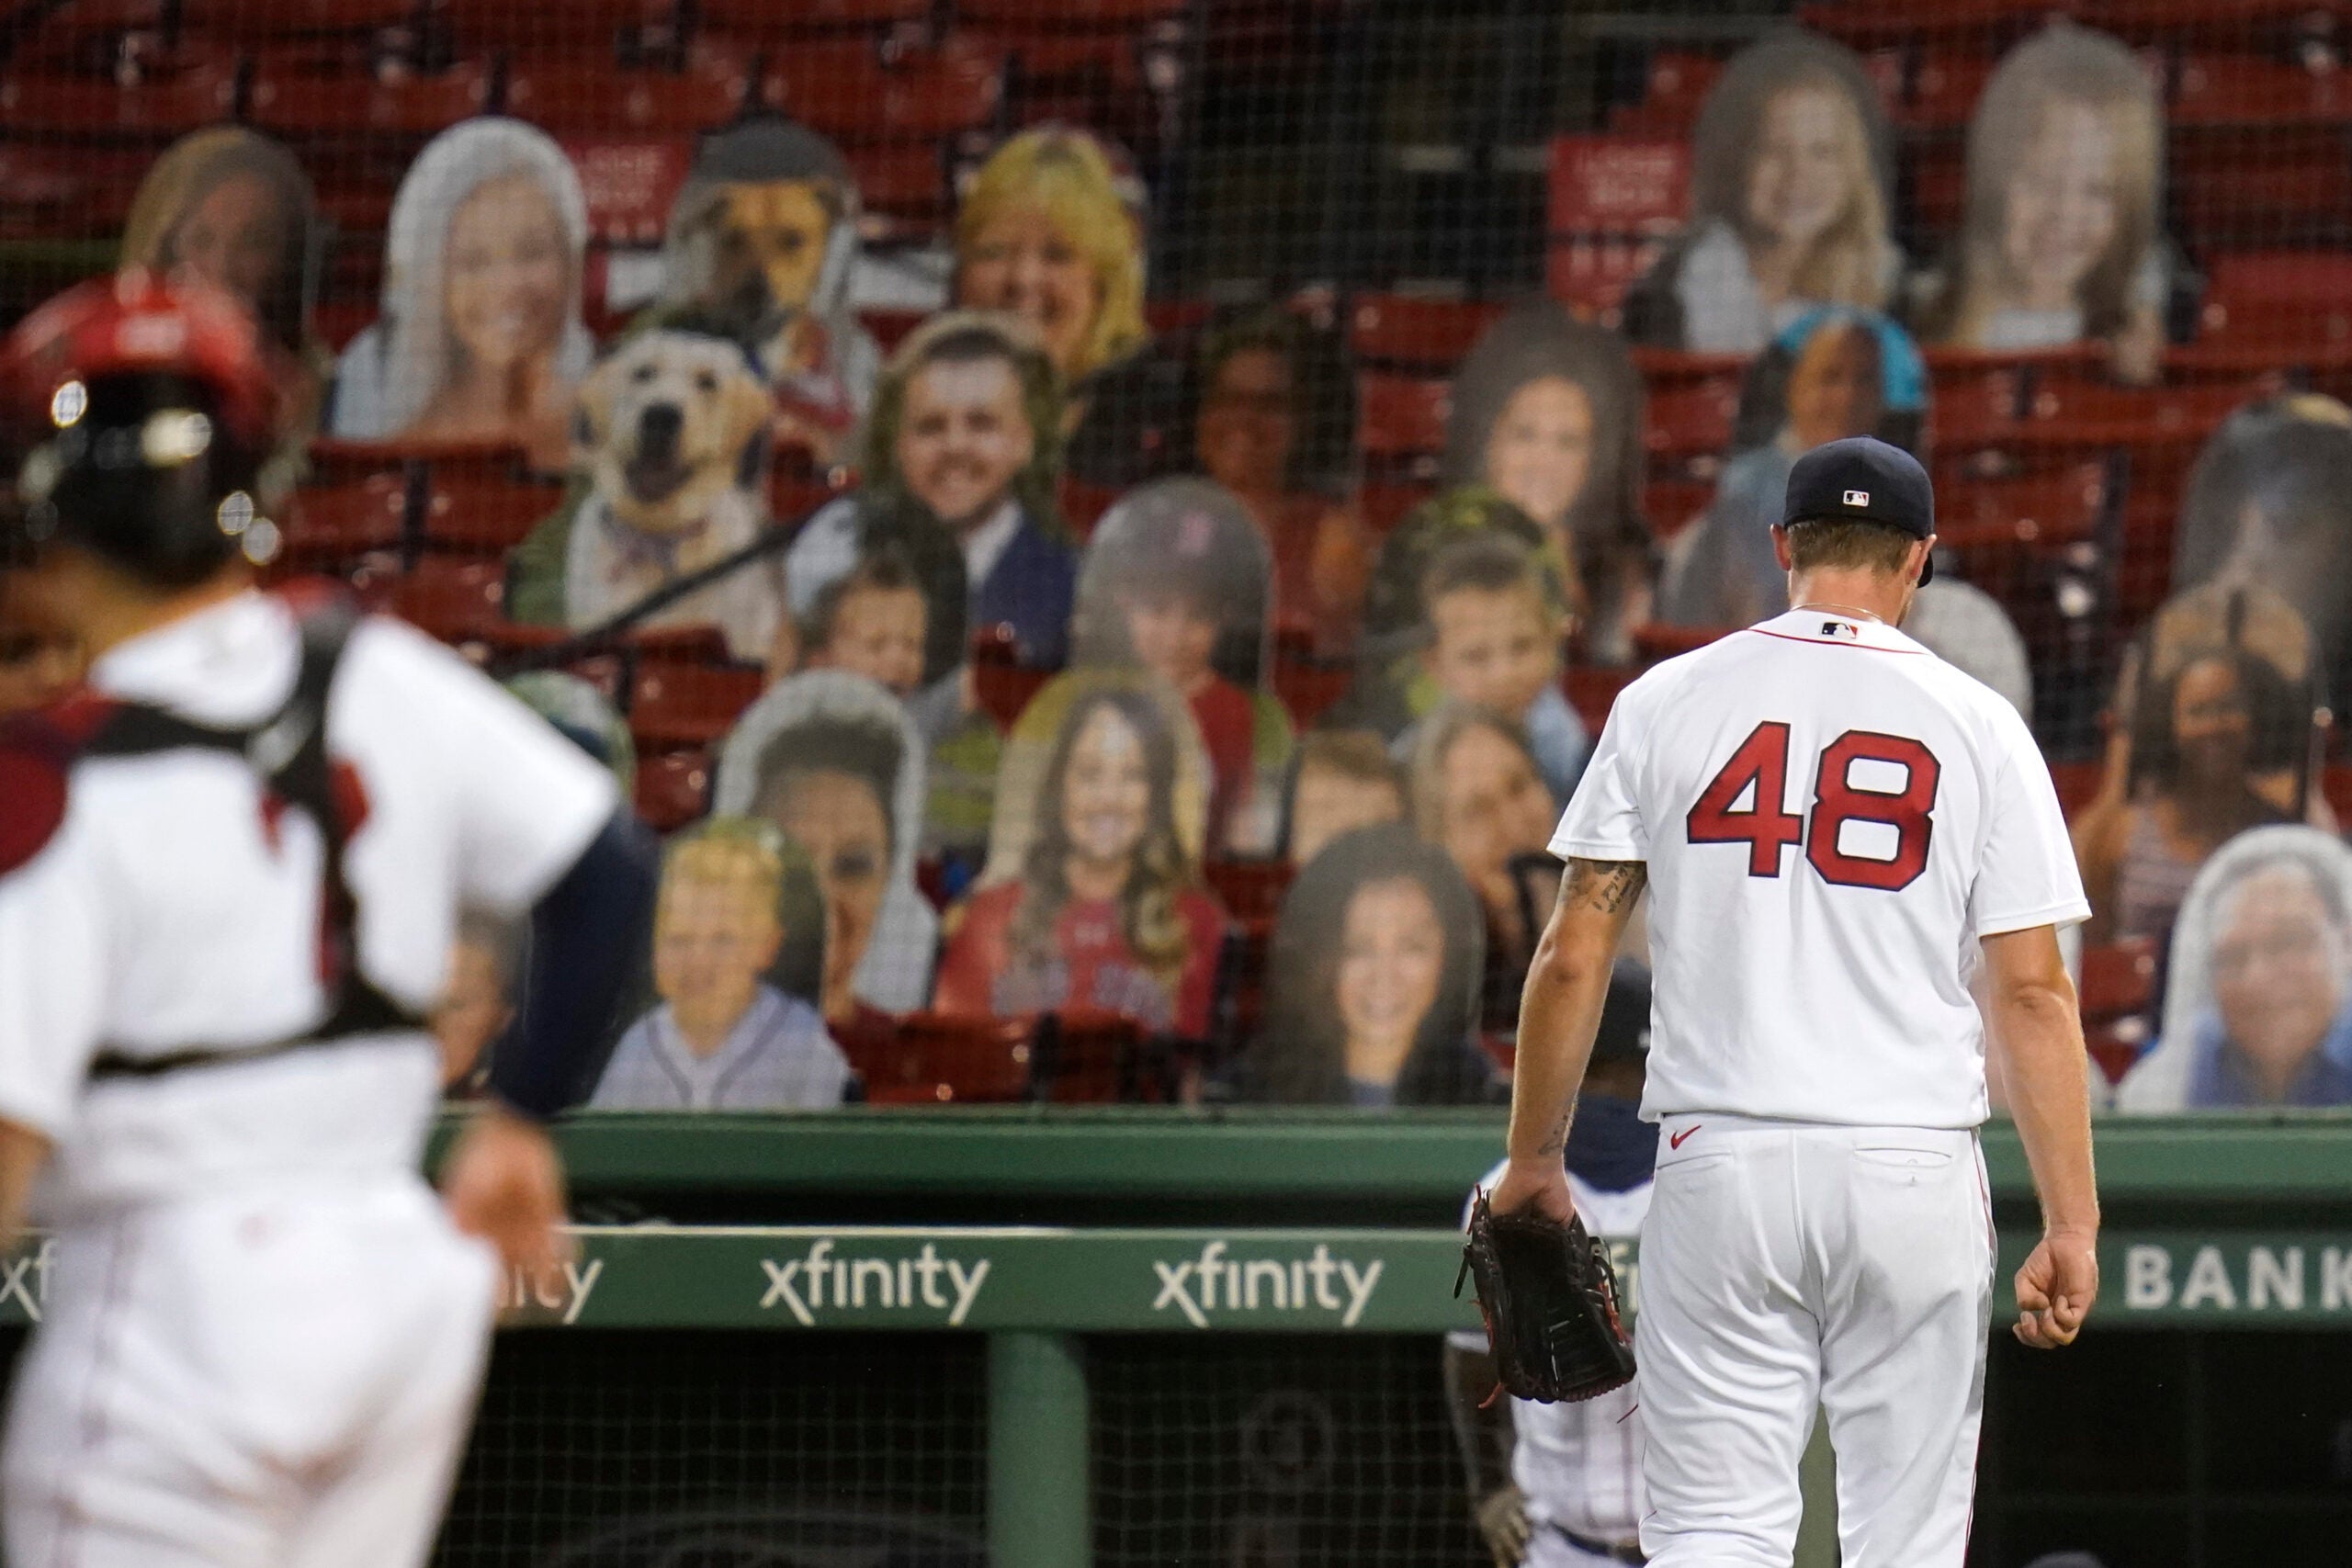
1579	1465
1831	815
173	904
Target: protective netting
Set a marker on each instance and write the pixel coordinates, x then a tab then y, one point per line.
1417	288
614	1449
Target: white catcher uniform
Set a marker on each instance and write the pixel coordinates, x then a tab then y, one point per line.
262	1338
1831	815
1579	1466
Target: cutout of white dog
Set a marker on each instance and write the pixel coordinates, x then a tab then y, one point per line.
670	431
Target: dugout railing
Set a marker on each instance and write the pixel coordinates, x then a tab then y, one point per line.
1006	1306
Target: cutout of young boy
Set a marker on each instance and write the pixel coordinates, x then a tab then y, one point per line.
1494	643
722	1038
873	621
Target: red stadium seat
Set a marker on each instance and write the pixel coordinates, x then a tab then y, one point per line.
333	459
1591	690
1084	1056
2119	988
2040	509
2286	301
290	99
335	525
1944	91
2299	188
1671	505
932	1058
1407	330
450	598
1250	890
1672	93
195	88
1382	506
66	192
674	788
1072	14
1872	23
1083	505
296	19
905	180
2225	89
1401	417
1003	683
675	704
848	90
597	96
1690	421
469	513
766	18
480	25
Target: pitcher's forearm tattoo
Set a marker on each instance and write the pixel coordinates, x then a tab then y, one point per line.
1555	1142
1605	886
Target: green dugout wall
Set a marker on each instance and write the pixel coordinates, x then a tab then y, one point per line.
2208	1413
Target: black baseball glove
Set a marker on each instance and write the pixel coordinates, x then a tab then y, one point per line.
1550	1300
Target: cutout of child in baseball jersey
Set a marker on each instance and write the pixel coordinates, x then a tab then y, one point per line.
832	760
481	337
2270	502
1178	580
2213	731
1792	178
764	241
1547	412
1832	373
724	1035
2258	1010
1093	894
2060	241
1373	981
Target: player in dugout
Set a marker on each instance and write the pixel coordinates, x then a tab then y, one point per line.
231	870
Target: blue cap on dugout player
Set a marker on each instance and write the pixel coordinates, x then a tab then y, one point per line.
1862	479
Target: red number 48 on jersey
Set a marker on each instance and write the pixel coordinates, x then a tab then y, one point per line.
1758	770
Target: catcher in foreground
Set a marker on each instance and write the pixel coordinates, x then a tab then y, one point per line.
1550	1300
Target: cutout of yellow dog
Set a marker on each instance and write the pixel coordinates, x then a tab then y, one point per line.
670	431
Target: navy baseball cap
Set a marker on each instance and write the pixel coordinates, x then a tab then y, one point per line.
1864	479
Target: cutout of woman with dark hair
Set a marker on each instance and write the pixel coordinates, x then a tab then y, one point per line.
1791	171
1274	424
2258	1013
2059	243
1177	581
2270	502
1547	412
1832	373
1103	907
1374	985
2212	734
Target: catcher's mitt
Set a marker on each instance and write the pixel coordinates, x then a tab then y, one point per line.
1550	1300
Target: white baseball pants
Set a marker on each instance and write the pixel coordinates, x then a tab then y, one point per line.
1786	1264
249	1380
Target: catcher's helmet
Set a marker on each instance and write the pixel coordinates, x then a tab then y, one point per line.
135	414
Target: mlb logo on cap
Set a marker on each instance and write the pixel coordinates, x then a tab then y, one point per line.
1858	498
